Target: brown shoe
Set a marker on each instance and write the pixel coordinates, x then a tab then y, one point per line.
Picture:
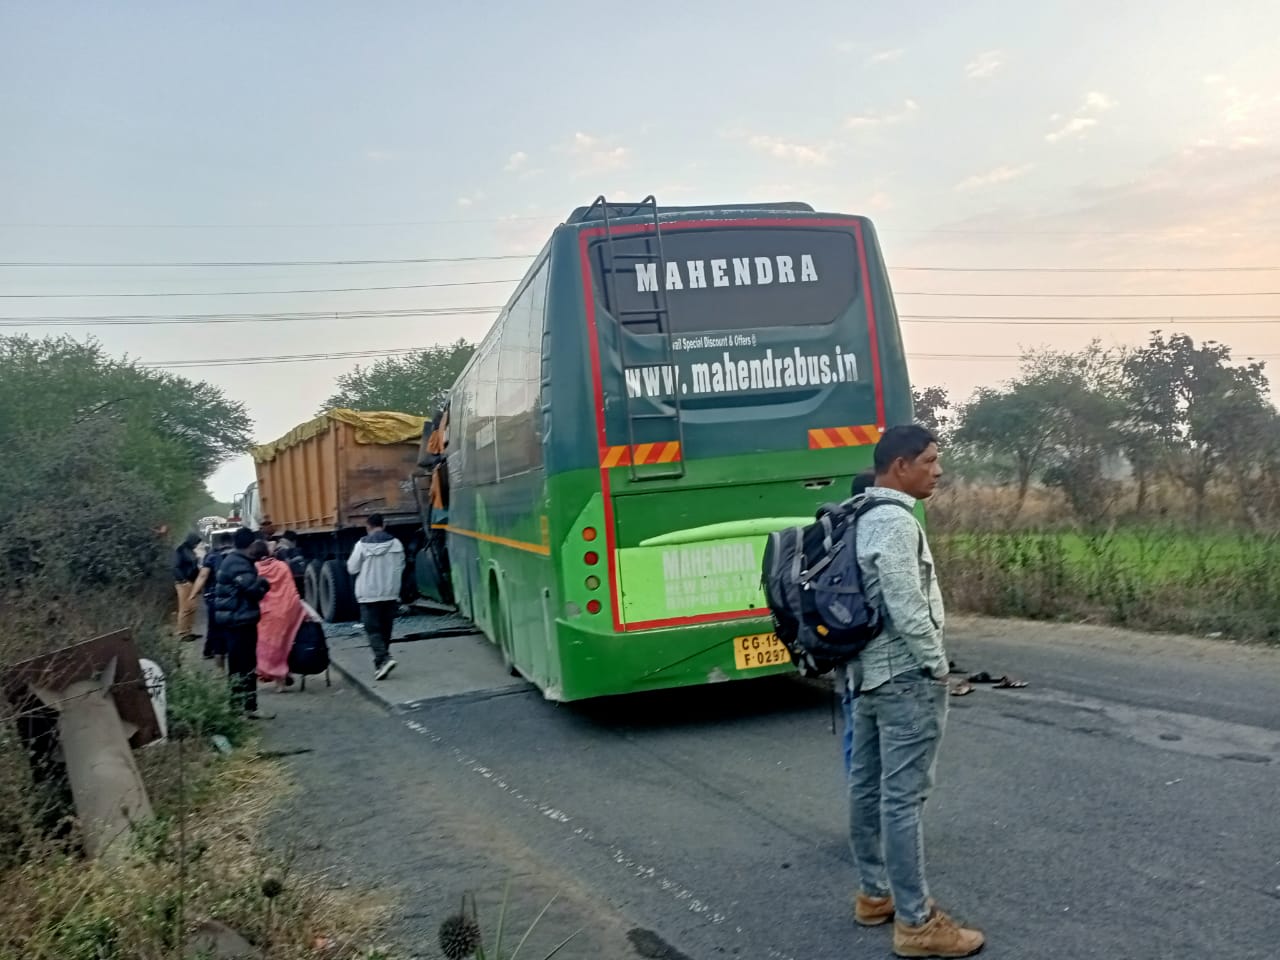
872	911
939	936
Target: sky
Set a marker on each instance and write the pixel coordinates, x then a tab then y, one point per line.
992	135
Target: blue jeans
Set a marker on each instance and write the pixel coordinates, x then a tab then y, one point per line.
846	710
897	728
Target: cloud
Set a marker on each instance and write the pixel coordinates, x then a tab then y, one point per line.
885	56
378	156
1072	128
800	153
1001	174
984	65
1207	199
517	162
1097	102
595	155
471	199
868	120
1083	120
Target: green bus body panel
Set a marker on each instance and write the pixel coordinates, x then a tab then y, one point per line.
687	549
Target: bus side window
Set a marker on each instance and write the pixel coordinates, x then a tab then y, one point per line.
519	375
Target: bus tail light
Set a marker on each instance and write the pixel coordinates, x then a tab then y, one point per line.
591	558
589	534
593	606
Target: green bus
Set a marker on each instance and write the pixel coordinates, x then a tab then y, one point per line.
666	386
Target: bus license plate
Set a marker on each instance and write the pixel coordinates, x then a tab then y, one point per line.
759	650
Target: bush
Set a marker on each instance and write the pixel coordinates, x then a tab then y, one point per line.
199	707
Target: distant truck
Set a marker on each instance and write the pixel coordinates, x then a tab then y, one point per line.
324	479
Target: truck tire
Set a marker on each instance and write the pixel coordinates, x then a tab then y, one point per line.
337	602
311	585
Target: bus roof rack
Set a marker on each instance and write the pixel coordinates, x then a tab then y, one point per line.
618	211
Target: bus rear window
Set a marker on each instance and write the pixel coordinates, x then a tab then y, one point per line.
729	279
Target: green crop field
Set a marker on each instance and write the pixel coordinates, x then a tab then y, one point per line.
1162	578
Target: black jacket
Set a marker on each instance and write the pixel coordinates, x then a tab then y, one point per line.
238	591
185	565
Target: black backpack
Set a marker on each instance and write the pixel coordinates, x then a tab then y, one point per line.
813	585
309	654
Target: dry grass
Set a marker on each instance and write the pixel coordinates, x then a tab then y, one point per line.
55	907
203	857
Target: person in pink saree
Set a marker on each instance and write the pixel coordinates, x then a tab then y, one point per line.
282	615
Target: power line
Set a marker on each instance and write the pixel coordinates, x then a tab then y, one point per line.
264	226
1083	269
284	358
1088	296
261	263
254	293
480	259
886	228
291	316
481	283
1042	321
145	320
344	355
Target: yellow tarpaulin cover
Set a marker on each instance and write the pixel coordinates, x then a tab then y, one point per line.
371	426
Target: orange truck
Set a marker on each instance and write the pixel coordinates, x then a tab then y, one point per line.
323	479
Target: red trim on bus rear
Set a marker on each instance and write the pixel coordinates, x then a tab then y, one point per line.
589	301
699	618
597	386
871	324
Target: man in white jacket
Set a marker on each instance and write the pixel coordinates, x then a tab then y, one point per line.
377	563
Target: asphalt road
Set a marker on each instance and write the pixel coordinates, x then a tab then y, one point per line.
1124	805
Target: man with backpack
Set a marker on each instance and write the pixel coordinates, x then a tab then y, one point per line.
899	685
377	563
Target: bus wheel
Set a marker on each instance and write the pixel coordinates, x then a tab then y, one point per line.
501	626
311	585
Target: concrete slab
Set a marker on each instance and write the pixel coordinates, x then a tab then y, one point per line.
437	661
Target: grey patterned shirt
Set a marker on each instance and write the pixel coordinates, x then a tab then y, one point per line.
898	577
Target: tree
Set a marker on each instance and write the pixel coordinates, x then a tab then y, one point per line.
1058	417
173	431
1012	423
931	406
417	383
1200	413
97	454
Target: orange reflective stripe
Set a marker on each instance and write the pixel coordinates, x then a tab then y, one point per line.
824	438
614	456
643	453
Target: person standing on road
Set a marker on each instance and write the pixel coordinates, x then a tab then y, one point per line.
236	599
377	563
186	568
281	616
287	550
899	682
215	640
